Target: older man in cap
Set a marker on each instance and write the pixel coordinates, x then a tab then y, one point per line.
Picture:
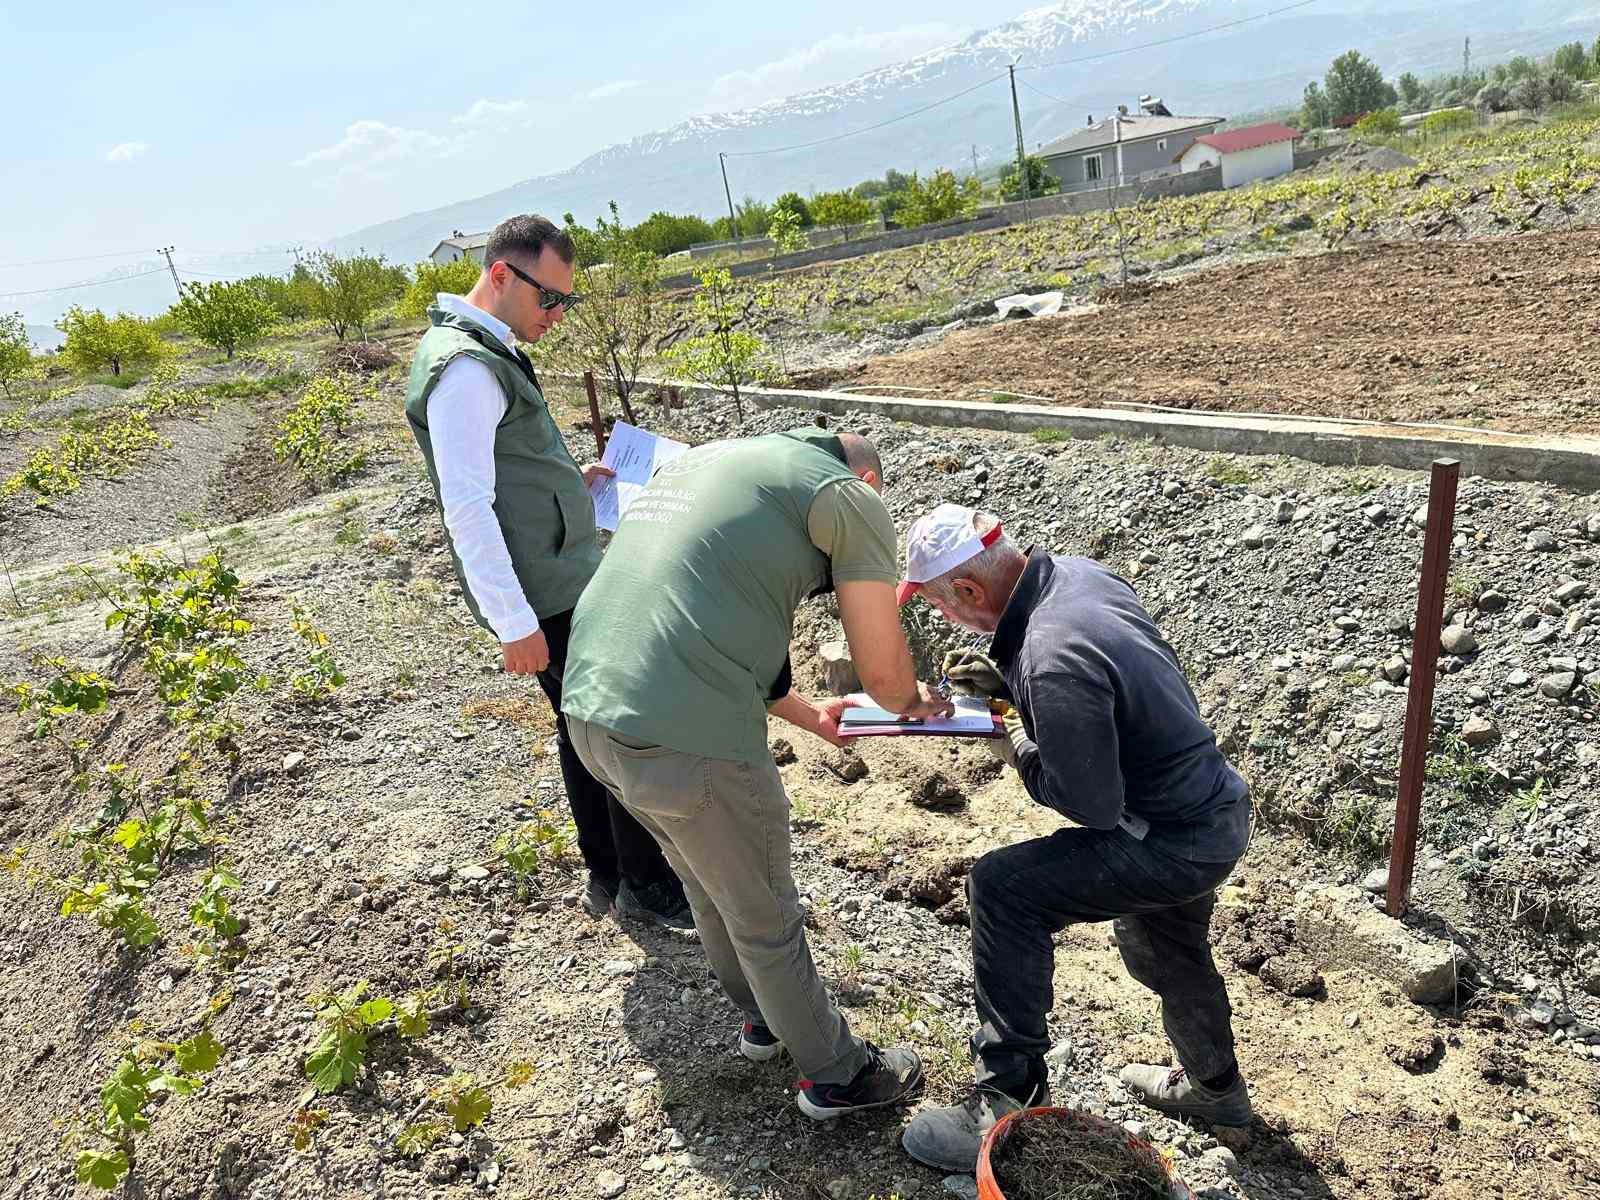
1106	731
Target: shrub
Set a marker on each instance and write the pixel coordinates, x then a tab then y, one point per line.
312	432
280	294
1493	98
1380	123
795	203
456	278
1449	121
1529	93
784	230
1040	181
225	316
722	355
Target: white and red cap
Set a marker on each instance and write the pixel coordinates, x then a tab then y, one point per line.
940	541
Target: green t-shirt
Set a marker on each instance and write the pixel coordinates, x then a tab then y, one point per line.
685	628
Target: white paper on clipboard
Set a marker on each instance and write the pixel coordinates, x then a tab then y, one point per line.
634	455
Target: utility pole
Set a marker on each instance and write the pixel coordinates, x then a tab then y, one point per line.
974	158
167	252
733	221
1022	157
1466	60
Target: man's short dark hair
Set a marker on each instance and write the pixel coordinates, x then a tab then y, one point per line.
860	454
525	237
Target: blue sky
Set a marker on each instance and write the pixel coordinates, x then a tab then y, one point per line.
227	126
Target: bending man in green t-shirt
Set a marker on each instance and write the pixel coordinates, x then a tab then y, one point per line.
680	649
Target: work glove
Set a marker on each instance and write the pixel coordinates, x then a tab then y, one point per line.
973	673
1007	746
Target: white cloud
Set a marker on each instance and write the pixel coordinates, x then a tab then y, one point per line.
126	151
373	148
615	88
834	59
492	113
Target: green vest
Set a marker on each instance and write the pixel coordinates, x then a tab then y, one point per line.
545	512
685	632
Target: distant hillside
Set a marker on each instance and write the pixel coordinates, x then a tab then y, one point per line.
1252	67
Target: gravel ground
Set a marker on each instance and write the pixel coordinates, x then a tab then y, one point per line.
363	830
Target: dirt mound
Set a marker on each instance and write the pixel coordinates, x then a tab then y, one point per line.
1359	157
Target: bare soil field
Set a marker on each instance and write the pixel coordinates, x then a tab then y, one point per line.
363	828
1500	332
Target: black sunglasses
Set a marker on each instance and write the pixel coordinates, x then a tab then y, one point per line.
549	298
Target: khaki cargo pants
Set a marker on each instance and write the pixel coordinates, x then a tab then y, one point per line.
724	827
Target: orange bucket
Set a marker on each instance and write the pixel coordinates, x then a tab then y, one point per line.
989	1188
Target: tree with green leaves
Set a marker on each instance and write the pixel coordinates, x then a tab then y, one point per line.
225	316
785	232
614	331
664	233
939	197
840	210
796	203
16	353
344	291
1314	111
1414	94
1354	86
1040	181
280	292
723	355
96	342
1572	59
455	278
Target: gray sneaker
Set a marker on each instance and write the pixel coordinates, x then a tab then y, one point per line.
948	1139
1171	1091
597	896
888	1077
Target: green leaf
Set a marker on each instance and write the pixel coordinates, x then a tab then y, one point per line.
199	1054
125	1093
129	834
177	1085
518	1074
375	1010
418	1139
335	1062
103	1169
411	1019
469	1106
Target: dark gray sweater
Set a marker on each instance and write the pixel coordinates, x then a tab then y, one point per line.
1116	735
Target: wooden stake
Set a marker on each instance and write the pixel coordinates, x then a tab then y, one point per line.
1424	673
598	425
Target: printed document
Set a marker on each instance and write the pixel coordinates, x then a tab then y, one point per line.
635	456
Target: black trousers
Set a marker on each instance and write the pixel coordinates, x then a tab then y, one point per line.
1021	895
613	844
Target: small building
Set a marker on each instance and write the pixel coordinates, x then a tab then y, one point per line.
1245	155
460	245
1123	147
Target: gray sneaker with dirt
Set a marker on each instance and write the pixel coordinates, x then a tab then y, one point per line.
948	1138
597	896
1171	1091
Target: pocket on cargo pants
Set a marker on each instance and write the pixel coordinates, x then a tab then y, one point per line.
661	783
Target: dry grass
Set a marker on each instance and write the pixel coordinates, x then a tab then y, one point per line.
1054	1157
515	710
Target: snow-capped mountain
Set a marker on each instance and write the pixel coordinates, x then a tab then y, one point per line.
1250	65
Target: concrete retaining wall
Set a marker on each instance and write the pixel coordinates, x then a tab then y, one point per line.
1572	462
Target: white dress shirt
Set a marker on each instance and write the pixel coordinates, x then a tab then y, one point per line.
464	409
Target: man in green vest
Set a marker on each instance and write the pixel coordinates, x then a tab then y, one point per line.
520	523
680	650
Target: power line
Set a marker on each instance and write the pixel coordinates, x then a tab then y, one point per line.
1040	91
50	262
1182	37
90	283
867	128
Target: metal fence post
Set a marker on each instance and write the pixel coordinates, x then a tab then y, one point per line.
1424	672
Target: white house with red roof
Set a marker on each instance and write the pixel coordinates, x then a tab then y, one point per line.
1245	155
